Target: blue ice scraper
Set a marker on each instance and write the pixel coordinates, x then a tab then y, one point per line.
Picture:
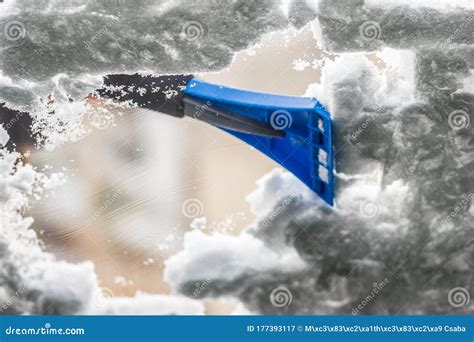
293	131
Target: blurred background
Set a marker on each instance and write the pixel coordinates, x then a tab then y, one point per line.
123	204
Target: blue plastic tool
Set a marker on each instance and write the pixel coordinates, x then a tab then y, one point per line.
305	149
296	132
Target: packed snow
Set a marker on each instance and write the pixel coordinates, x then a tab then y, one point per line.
402	226
56	52
387	230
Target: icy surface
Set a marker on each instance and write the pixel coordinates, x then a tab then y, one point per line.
53	54
400	236
356	25
445	5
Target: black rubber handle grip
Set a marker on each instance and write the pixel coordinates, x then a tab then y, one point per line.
159	93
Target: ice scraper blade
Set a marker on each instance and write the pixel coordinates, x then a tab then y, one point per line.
296	132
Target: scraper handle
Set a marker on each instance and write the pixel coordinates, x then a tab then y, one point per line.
159	93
